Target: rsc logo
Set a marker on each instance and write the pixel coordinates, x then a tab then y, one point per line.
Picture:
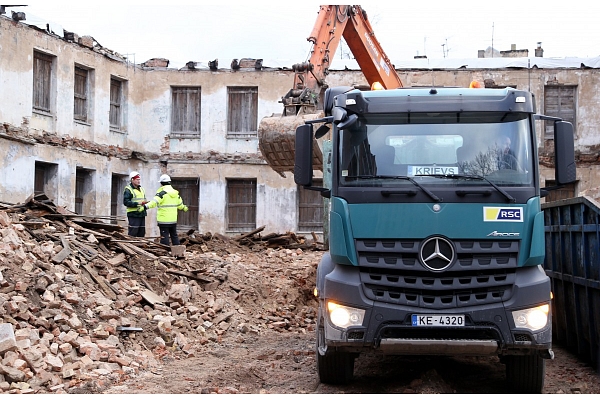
503	214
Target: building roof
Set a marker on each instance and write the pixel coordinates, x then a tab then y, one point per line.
479	63
411	64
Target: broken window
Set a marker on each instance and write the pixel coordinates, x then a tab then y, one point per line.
116	104
242	111
45	181
116	197
80	109
564	192
84	192
310	209
241	205
559	101
189	192
185	113
42	81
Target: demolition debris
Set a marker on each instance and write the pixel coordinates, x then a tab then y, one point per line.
84	306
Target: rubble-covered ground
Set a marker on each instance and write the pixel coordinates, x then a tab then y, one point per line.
86	309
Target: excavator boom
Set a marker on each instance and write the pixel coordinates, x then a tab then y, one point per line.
304	100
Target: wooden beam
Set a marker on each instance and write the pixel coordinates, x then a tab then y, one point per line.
245	235
106	288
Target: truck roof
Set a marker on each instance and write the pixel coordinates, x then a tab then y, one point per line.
441	91
437	99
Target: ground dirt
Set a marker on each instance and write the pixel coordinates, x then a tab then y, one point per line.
285	363
282	360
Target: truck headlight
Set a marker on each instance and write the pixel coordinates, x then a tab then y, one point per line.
533	319
344	316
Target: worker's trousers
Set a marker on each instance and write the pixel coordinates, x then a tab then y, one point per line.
137	226
166	231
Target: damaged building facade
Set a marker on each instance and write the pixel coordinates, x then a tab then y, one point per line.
76	119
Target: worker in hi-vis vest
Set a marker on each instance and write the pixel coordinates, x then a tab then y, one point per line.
134	198
168	202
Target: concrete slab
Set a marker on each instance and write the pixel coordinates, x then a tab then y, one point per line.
178	251
7	338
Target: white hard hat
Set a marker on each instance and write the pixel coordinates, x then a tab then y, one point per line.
133	174
164	178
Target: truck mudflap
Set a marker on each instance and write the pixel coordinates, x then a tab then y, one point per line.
438	346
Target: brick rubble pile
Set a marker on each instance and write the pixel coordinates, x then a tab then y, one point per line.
81	310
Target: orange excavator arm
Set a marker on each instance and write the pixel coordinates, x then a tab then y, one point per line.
305	98
372	60
351	23
333	23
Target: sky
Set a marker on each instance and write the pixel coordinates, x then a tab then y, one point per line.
183	31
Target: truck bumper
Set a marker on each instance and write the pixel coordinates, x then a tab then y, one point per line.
489	329
438	346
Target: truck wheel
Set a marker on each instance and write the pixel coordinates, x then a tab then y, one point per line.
335	368
525	374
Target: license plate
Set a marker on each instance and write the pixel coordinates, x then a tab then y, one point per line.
438	320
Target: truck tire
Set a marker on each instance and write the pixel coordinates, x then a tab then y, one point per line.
335	368
525	374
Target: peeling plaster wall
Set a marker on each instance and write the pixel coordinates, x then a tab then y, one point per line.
145	144
57	139
18	43
17	174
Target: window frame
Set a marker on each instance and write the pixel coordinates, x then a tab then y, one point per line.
184	114
242	111
116	110
241	207
189	190
561	112
43	70
310	200
81	97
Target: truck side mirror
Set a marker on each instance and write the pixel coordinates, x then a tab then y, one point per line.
330	95
564	153
303	171
321	131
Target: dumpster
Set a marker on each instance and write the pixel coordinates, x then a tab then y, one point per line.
572	233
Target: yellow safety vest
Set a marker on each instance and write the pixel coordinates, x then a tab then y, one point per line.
139	195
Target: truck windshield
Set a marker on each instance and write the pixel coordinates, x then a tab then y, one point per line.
426	147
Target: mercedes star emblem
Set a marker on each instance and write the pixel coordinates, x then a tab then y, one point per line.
436	253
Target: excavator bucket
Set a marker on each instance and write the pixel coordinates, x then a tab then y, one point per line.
277	138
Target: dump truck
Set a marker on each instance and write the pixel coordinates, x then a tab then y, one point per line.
436	235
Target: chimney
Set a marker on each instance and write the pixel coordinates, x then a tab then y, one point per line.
539	52
18	16
513	47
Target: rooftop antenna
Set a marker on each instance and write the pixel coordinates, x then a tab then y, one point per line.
445	49
492	40
129	61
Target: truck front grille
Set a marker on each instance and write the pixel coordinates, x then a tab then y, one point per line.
483	273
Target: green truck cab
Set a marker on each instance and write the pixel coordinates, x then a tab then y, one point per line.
436	234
